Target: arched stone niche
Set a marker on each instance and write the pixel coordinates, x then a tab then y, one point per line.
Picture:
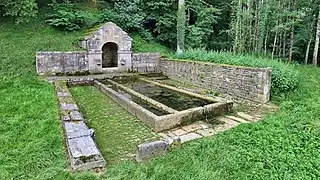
109	33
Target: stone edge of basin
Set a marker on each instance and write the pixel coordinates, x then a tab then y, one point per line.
161	123
82	150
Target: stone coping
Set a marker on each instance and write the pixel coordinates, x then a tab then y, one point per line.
216	64
82	151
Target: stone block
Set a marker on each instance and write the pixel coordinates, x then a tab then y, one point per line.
71	127
84	154
149	150
68	107
76	116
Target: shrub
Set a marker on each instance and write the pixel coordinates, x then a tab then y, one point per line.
285	77
68	18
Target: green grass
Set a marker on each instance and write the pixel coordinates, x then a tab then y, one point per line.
117	132
285	145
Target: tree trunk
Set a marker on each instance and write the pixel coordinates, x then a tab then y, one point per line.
265	42
280	44
316	45
284	44
307	52
292	32
181	26
274	45
291	43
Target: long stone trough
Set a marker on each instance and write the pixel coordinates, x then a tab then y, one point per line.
171	120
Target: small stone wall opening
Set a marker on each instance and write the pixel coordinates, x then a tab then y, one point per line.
110	55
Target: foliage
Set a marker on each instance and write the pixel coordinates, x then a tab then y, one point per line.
22	10
126	14
67	17
139	44
162	17
284	76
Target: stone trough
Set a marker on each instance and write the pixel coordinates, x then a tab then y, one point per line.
173	118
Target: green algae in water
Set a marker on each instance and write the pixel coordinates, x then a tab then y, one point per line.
176	100
155	110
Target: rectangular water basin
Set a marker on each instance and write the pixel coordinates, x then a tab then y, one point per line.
160	106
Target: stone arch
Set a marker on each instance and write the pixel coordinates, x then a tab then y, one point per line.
110	55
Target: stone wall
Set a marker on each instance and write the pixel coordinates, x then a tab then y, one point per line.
145	62
241	83
55	63
73	63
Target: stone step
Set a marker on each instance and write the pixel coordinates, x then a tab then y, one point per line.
229	121
189	137
246	116
237	119
206	132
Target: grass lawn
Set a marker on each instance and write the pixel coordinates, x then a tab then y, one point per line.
117	132
285	145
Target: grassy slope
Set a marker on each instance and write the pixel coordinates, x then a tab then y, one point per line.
283	146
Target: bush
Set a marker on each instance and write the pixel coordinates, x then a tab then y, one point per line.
284	76
68	18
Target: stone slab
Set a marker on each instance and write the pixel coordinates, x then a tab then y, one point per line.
84	154
206	132
229	121
189	137
75	127
63	94
245	116
78	134
237	119
204	125
163	135
82	147
68	107
192	127
179	132
76	116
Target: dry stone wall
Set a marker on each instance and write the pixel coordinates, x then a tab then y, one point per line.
241	83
